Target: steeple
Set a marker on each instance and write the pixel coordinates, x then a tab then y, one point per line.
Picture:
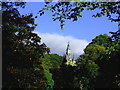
69	58
68	50
68	53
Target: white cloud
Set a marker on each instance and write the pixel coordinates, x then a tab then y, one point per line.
58	43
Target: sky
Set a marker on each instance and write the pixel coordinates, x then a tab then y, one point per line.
79	33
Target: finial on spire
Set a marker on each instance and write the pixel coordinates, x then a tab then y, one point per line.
68	42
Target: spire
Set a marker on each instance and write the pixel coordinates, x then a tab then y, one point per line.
68	50
69	58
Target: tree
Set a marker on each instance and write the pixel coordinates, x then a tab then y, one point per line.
99	66
102	52
56	60
93	52
46	64
73	10
51	63
21	49
87	69
103	40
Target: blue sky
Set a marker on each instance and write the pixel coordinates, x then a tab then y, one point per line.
85	29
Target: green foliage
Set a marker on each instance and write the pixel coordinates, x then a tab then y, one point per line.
56	60
46	66
48	62
106	57
73	10
92	69
93	51
103	40
99	64
85	74
48	75
21	46
52	61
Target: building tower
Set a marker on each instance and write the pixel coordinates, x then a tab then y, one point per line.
68	56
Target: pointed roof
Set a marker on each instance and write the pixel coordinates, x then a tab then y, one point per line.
68	46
